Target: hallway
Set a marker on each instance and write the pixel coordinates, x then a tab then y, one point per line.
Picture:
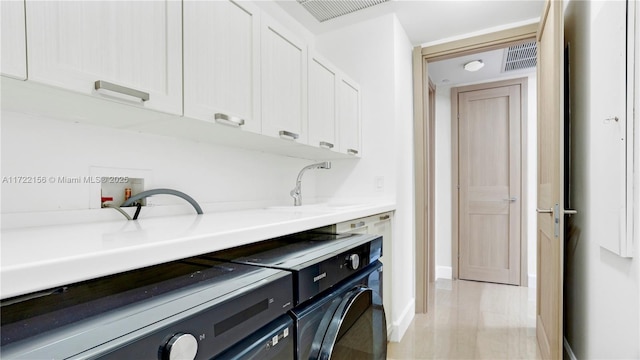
472	320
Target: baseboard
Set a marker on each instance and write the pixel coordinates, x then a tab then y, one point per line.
444	272
532	281
400	327
568	351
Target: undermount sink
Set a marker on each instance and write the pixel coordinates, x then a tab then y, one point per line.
320	207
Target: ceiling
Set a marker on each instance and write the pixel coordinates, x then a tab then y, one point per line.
450	72
429	22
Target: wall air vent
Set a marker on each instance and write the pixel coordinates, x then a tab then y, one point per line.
324	10
520	57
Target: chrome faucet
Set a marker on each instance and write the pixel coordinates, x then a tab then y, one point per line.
296	193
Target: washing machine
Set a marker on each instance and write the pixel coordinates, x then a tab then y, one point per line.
337	288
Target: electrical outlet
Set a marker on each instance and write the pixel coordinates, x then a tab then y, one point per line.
118	189
378	183
112	184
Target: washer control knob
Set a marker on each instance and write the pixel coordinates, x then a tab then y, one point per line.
353	261
181	347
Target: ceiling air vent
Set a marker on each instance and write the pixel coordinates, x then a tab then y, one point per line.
520	57
324	10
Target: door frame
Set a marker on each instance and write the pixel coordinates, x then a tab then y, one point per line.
421	58
455	158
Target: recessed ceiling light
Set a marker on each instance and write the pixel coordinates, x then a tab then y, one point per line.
474	65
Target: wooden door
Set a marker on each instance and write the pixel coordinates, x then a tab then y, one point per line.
222	63
133	47
489	172
550	239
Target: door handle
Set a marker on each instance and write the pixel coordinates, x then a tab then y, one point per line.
105	85
544	211
570	212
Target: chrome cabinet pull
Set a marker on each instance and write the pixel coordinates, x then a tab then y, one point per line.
228	120
104	85
385	217
357	225
512	199
326	145
352	151
288	135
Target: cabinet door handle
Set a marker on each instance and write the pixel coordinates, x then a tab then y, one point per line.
228	120
326	145
104	85
357	225
385	217
288	135
352	151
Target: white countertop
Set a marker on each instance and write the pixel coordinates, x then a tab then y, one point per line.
40	258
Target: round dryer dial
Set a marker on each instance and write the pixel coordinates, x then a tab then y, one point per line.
353	261
180	347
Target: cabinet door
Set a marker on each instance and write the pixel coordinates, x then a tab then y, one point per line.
322	103
134	48
382	226
358	226
221	63
349	117
284	83
14	51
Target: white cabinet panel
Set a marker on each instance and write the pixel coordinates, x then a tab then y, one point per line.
349	117
14	51
322	103
221	62
284	83
381	224
612	139
134	44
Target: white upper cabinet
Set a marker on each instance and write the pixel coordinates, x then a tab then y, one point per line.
284	83
128	50
222	63
322	112
14	51
349	120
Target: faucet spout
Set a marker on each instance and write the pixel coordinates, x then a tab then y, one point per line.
296	193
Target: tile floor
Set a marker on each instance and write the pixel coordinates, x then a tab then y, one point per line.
472	320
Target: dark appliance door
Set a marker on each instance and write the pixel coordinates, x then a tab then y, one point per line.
349	323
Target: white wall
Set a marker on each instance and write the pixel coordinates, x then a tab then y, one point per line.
602	290
39	146
443	220
377	54
444	185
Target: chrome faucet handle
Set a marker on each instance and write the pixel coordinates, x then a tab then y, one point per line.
296	194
